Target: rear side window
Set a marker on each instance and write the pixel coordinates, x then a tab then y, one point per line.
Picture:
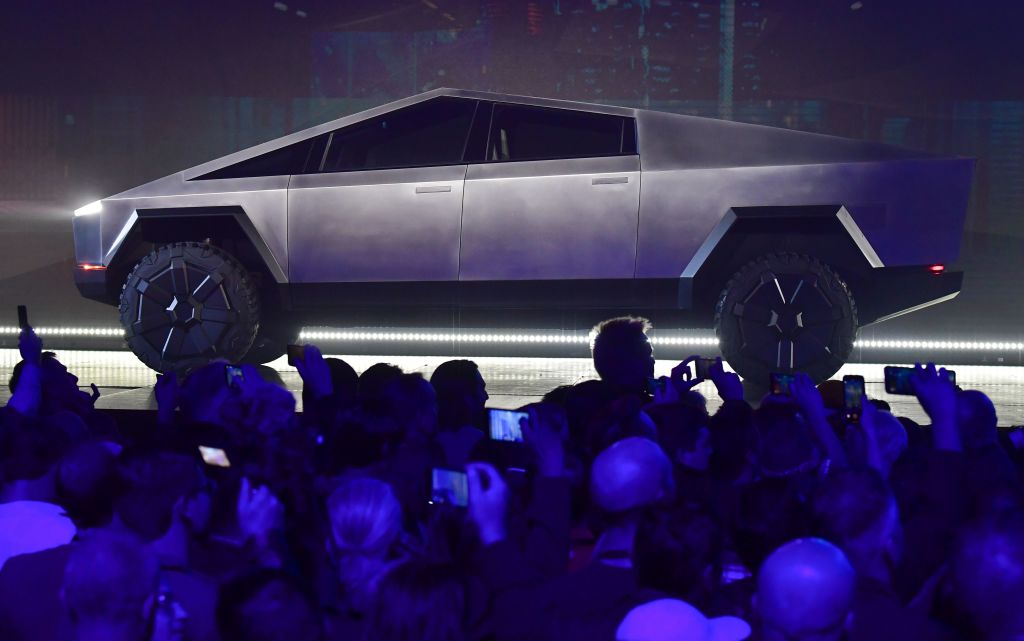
280	162
429	133
535	133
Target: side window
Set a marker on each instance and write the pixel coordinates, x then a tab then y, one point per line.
280	162
430	133
535	133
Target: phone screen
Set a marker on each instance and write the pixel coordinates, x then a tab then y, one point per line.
233	375
655	385
504	425
214	456
295	353
22	317
780	383
449	487
853	397
703	367
897	379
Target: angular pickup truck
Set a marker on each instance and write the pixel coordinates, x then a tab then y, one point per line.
786	242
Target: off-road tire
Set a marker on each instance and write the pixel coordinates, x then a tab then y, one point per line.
272	341
186	304
786	312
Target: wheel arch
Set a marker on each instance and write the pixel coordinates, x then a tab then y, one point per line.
227	227
825	232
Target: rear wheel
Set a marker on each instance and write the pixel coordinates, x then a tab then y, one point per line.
272	341
785	313
186	304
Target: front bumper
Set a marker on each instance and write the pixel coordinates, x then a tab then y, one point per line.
92	283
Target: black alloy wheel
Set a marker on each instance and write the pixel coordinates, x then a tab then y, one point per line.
186	304
786	313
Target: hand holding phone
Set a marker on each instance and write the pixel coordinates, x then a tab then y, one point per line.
295	354
780	383
505	424
903	380
449	487
233	376
702	367
936	391
489	502
853	397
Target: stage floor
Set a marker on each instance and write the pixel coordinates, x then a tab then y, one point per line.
126	384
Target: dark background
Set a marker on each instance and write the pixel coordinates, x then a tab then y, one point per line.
101	96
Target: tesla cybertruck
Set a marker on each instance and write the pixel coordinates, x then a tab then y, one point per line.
785	241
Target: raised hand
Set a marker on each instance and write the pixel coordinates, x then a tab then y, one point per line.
666	393
728	384
316	375
30	346
937	396
259	512
934	391
683	378
262	406
807	396
812	406
488	501
543	432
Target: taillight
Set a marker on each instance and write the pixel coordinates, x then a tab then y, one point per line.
937	269
91	268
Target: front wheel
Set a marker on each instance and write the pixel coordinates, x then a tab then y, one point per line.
786	313
186	304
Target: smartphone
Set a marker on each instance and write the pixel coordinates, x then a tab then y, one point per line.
655	385
780	383
505	426
897	380
214	456
449	487
853	397
702	367
296	353
233	375
22	317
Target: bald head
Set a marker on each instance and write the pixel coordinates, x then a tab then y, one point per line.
632	473
804	589
987	570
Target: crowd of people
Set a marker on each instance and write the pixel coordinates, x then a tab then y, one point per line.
622	515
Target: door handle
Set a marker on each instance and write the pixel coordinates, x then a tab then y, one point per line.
610	180
433	189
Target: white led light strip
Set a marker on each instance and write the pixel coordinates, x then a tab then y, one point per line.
67	331
565	339
483	338
974	346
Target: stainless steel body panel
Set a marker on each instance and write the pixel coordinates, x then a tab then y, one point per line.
903	212
371	226
551	219
263	199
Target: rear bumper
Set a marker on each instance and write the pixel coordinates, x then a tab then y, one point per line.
890	292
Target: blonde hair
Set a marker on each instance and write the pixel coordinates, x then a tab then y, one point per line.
366	522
